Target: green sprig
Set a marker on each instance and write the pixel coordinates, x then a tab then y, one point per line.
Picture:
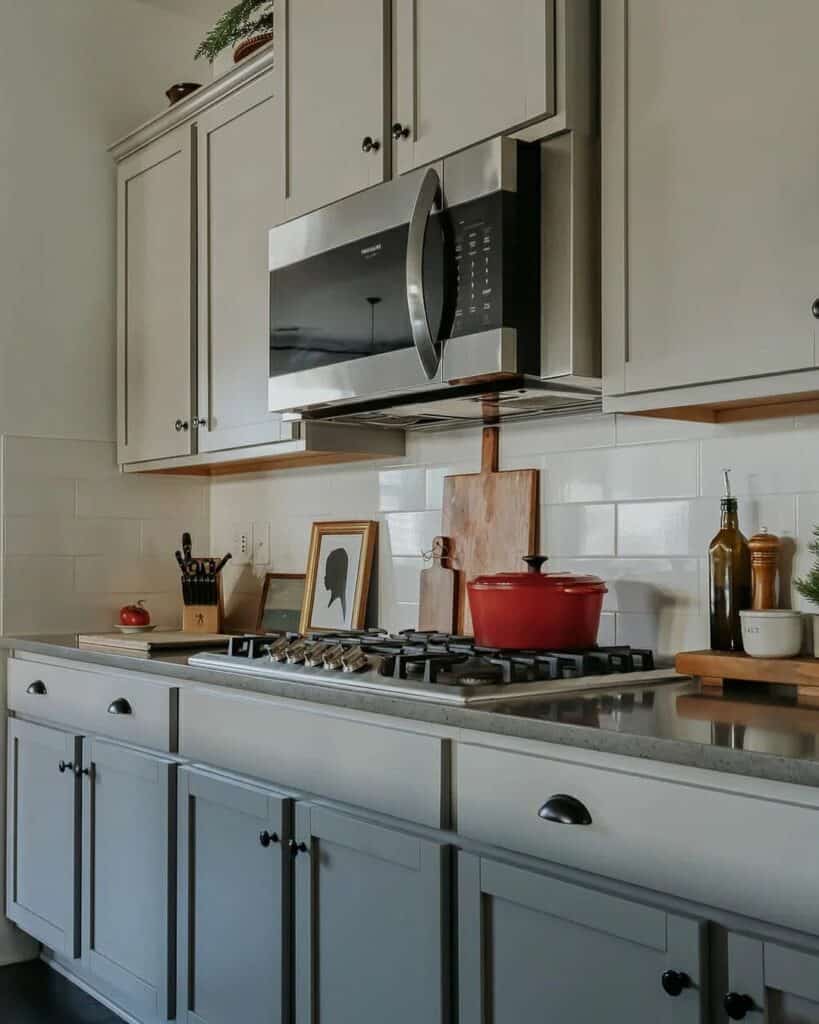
808	586
247	18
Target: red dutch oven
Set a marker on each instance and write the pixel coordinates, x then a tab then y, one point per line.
555	611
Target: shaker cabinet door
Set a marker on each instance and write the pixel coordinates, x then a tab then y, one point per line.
43	834
127	862
710	211
333	65
371	928
239	154
769	982
234	901
536	948
467	71
155	287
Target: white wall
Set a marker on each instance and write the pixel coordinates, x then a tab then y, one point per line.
77	539
633	500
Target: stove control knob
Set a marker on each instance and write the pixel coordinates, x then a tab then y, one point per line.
354	660
277	651
332	658
315	655
296	652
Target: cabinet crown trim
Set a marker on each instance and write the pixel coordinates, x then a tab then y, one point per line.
193	105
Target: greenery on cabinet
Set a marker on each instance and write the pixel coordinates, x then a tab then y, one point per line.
245	19
808	586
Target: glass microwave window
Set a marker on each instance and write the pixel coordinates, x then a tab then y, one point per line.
350	302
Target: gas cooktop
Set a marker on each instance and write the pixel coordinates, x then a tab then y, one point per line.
431	666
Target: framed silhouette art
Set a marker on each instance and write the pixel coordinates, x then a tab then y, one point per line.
339	568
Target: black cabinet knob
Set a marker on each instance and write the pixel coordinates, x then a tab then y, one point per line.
400	131
565	810
37	688
296	848
120	706
65	766
267	838
370	145
815	308
181	425
737	1005
674	982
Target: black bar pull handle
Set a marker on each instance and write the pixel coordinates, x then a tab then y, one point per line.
565	810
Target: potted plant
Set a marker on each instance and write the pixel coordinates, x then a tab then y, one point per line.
249	23
808	587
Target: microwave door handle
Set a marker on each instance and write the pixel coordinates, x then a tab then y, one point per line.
429	350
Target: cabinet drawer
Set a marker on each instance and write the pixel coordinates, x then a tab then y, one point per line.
339	755
708	838
142	711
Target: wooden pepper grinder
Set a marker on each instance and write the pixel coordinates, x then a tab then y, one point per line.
764	568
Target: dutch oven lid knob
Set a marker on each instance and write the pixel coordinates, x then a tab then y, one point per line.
535	562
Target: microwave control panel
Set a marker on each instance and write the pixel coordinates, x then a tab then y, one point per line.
478	273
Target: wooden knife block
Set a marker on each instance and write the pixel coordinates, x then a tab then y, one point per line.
205	618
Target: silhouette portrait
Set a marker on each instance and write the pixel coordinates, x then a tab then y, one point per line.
339	567
335	578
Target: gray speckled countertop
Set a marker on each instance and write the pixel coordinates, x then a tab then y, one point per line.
751	732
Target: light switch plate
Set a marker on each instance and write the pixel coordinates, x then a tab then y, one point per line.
242	543
261	543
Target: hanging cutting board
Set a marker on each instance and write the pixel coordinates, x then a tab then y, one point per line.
491	519
437	605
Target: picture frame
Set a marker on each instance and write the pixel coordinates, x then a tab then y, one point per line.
281	603
339	570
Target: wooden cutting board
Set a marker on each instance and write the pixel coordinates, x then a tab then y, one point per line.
491	519
438	598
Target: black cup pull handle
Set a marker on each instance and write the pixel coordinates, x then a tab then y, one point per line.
565	810
37	688
736	1005
120	706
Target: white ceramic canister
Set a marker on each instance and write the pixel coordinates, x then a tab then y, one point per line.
774	633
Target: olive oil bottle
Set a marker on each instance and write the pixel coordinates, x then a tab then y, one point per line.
729	561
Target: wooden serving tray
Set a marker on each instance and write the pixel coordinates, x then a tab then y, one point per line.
714	667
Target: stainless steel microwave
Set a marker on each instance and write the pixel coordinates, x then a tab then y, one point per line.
430	288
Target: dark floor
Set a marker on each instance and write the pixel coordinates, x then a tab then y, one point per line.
32	993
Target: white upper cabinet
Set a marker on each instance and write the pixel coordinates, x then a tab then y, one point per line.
332	61
710	192
237	204
155	289
466	71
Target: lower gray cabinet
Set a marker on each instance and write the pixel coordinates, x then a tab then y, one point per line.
128	881
372	930
234	901
533	947
769	982
43	834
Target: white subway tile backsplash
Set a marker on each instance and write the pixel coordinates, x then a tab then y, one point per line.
141	497
580	531
642	584
666	632
37	496
56	535
48	458
80	540
402	490
620	474
781	461
631	499
411	533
